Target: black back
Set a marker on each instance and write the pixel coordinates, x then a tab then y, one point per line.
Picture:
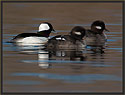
23	35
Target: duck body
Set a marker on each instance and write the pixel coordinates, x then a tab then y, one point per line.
41	37
95	39
30	38
95	36
66	42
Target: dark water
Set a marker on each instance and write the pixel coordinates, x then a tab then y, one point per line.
31	69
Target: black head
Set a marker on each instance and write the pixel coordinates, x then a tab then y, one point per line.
45	29
78	32
98	27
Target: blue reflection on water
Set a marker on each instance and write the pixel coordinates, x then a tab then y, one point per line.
67	61
5	43
116	24
7	26
116	37
116	48
87	78
62	30
9	35
111	40
9	49
42	19
78	24
113	33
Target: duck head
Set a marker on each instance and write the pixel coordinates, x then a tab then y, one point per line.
45	29
98	27
78	32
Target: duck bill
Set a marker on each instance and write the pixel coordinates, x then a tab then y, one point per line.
107	30
54	31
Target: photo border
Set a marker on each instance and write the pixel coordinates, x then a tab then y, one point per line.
63	1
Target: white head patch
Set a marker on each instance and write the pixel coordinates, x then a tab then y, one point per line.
77	33
44	27
60	39
98	27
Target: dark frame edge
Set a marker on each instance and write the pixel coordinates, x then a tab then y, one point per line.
59	1
1	57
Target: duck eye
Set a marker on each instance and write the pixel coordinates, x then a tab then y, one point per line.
98	27
77	33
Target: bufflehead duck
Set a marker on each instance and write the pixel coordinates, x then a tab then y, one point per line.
96	36
71	41
41	37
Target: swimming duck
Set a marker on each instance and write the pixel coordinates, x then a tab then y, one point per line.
41	37
96	35
71	41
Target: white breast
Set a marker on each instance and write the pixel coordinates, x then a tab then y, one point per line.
32	40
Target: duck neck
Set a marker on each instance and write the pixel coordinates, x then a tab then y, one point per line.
96	32
44	33
75	37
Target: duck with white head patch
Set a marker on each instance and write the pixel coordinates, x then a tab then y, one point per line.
71	41
41	37
96	35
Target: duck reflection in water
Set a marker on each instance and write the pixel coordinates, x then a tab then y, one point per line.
46	58
67	55
96	49
43	56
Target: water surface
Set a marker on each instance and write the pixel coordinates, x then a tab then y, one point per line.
31	69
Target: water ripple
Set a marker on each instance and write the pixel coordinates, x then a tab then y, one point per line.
112	24
65	61
42	19
84	78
